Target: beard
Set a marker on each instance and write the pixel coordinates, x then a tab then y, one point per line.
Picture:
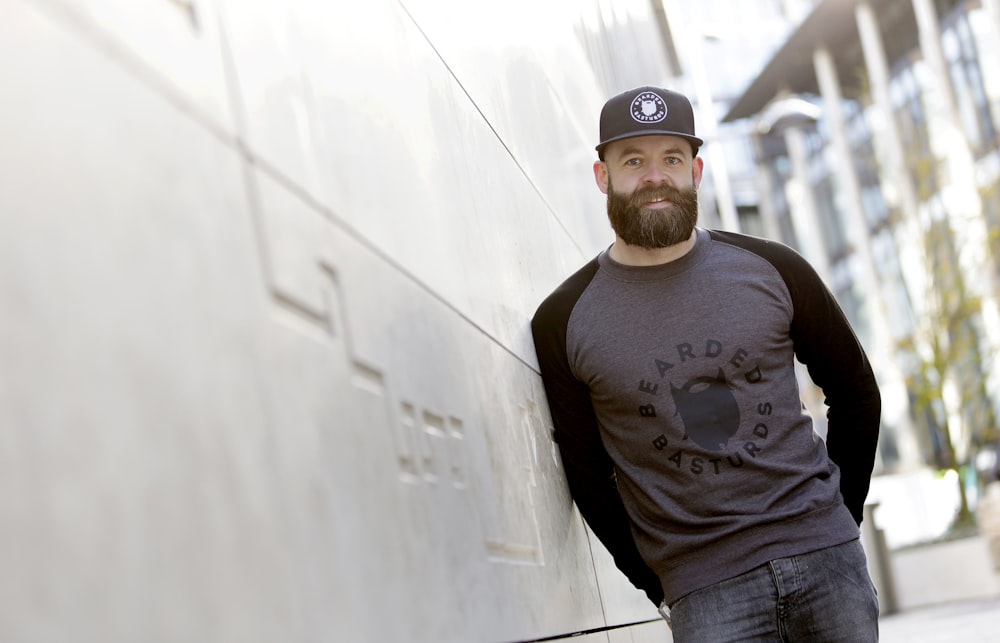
653	228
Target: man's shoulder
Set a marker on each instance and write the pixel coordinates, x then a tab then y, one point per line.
766	248
791	265
561	301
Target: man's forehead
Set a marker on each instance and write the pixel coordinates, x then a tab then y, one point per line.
652	144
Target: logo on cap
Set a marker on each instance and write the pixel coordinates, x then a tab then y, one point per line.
648	107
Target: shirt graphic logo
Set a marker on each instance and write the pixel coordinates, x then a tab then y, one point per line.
709	410
711	441
648	107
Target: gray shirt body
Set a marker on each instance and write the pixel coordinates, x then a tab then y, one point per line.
691	391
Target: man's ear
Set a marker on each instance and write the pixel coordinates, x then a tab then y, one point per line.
697	166
601	176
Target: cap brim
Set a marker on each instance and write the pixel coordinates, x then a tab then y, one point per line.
658	132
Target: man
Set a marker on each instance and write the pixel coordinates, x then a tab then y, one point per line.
668	363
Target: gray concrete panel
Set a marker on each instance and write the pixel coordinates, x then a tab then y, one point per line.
266	274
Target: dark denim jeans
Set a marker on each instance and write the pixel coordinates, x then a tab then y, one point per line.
824	596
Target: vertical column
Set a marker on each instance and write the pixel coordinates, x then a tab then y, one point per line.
802	204
795	10
896	183
895	402
710	132
993	9
985	23
958	188
765	188
707	123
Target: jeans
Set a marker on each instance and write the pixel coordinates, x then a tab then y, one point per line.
824	596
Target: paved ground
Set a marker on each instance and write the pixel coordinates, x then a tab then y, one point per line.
975	621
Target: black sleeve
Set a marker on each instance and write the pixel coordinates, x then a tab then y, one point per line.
589	469
836	361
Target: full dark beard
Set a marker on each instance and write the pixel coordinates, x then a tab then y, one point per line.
653	228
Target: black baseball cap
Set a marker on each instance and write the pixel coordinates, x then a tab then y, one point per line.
647	111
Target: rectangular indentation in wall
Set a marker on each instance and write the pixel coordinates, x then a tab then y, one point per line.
512	524
405	434
457	456
513	553
188	10
367	379
301	319
433	437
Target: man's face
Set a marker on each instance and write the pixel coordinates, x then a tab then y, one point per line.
651	183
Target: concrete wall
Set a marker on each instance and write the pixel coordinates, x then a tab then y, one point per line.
266	270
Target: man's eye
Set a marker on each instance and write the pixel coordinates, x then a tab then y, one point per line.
632	162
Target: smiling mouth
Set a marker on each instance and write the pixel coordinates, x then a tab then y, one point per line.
654	198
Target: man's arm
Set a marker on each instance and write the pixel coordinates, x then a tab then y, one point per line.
601	506
589	469
826	344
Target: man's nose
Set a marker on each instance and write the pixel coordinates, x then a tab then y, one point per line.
657	176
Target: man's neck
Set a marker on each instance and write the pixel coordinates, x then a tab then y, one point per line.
630	255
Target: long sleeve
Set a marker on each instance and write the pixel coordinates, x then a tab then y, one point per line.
837	363
589	470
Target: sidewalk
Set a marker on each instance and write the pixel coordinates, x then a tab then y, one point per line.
974	621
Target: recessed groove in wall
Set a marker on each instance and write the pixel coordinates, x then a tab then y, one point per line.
298	317
80	25
190	11
262	166
367	379
503	143
457	455
409	470
513	553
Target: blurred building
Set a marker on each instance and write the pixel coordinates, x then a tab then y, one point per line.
871	135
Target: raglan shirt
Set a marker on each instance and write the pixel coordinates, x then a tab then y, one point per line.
678	416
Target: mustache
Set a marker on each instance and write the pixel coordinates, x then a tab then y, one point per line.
642	196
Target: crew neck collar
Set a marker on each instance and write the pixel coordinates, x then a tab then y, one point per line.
625	272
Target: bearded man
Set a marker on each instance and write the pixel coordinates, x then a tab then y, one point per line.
669	366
